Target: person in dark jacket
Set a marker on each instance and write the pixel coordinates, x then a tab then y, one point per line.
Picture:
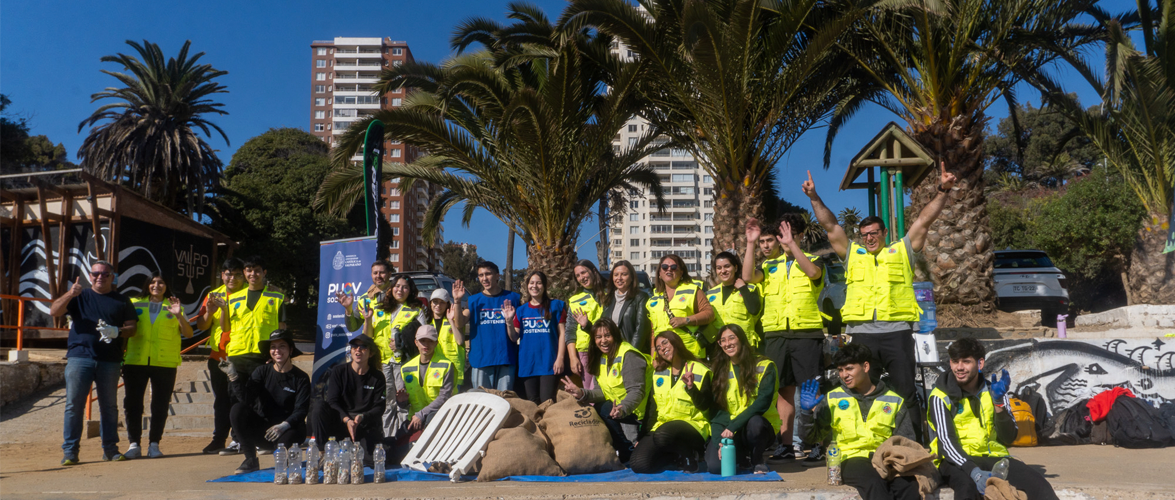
272	402
624	304
745	388
971	427
355	399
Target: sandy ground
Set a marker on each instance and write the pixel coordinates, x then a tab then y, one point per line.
30	453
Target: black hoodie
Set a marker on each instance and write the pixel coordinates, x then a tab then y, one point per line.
943	420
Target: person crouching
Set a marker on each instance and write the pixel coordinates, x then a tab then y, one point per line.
272	402
355	399
428	382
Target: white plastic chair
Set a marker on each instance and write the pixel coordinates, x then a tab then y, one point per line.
458	433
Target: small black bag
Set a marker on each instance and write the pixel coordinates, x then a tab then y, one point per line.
1134	423
1070	426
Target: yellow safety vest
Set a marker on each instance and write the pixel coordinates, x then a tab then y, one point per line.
214	330
249	326
382	324
882	283
737	402
681	305
611	380
674	403
856	437
434	379
454	352
733	311
976	435
584	303
154	344
790	297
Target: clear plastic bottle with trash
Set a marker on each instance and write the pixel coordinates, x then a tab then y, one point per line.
312	459
833	463
294	470
344	464
329	470
279	464
357	455
378	458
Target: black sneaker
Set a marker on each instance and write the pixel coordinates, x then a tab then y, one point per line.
249	465
815	457
784	453
214	447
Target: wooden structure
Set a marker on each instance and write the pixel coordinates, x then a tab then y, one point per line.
902	162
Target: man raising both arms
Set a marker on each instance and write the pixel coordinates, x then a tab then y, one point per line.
879	300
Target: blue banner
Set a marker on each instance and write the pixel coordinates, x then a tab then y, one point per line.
342	264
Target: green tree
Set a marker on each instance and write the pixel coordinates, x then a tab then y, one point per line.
459	261
1044	150
149	140
940	66
20	152
266	205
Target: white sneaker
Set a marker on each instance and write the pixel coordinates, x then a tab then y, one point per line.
133	452
233	448
153	450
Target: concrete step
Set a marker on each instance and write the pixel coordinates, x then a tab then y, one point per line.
191	409
193	387
186	422
192	397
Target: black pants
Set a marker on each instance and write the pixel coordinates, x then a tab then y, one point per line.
222	403
1020	476
893	353
539	388
135	379
326	423
250	428
244	365
860	474
664	446
754	438
619	441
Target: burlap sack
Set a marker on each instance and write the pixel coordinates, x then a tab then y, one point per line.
581	442
517	452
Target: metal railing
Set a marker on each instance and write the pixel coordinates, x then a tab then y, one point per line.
20	326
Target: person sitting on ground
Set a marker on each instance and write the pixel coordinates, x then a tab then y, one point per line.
745	387
972	425
273	400
428	382
859	415
677	419
623	376
355	397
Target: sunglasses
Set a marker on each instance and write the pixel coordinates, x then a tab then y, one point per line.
107	273
668	267
359	347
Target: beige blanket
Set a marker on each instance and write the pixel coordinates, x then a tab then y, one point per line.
999	489
899	456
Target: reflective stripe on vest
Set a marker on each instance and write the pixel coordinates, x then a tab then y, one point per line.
154	344
976	435
214	330
611	380
249	326
434	380
681	305
584	303
447	345
674	403
737	401
733	311
882	283
856	437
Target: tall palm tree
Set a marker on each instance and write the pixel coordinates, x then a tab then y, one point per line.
522	128
1135	129
940	65
735	81
149	140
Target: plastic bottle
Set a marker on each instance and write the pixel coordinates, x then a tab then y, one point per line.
1062	326
312	461
279	464
357	464
294	470
729	458
379	457
329	471
924	294
1000	469
834	465
344	464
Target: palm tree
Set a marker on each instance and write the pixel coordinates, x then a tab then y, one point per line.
735	81
149	141
940	65
1135	129
521	129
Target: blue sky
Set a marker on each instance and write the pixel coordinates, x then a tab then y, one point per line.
50	51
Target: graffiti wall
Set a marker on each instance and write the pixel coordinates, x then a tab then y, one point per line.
34	275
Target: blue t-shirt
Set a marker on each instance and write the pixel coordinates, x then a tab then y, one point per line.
538	338
489	345
85	310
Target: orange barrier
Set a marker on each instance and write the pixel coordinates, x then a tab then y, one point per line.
20	326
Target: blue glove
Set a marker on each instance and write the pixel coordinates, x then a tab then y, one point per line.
980	478
1000	388
810	395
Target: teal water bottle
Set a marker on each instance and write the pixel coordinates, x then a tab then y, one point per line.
729	458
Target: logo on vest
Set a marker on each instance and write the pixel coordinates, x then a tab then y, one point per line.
583	302
379	314
614	373
861	251
887	409
959	410
271	302
653	304
681	299
893	250
169	316
139	311
843	404
436	374
713	298
408	378
660	382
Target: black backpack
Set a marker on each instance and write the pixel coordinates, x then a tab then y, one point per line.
1068	427
1134	423
1167	410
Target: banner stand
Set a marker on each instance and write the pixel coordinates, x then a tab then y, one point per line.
343	265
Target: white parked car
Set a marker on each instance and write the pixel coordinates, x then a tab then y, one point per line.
1026	280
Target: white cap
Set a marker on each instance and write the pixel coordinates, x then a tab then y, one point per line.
442	294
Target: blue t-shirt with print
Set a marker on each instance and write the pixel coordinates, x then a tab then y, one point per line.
538	342
489	344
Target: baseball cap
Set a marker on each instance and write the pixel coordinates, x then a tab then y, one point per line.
442	294
426	332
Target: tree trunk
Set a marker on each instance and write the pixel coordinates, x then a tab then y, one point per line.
509	274
734	202
602	244
1152	272
958	245
558	262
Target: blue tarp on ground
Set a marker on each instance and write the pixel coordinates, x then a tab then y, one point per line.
625	476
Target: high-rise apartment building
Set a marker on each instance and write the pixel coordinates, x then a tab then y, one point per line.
343	73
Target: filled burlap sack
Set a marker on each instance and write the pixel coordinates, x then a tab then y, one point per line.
580	440
517	452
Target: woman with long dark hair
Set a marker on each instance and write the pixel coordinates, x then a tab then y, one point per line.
678	420
152	357
680	305
538	328
392	325
745	392
585	305
735	301
625	305
624	375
